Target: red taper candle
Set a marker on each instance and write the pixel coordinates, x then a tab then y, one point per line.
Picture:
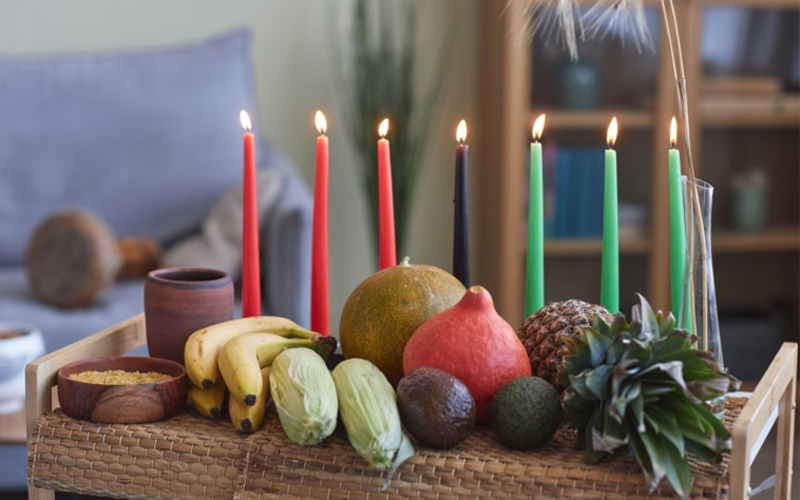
251	284
388	248
320	289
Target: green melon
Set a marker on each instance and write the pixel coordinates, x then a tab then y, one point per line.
387	308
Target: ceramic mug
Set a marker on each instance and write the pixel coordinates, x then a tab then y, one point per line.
178	302
19	345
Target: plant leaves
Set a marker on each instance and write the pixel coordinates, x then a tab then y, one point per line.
657	453
669	345
598	346
579	358
668	428
578	384
597	381
650	327
617	349
637	408
593	456
578	411
678	473
666	325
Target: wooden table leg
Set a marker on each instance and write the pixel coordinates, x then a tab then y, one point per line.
775	390
785	450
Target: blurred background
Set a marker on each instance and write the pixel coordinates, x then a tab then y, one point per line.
450	60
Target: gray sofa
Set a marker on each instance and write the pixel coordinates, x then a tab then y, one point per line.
149	141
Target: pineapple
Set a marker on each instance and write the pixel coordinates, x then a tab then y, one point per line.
641	385
543	335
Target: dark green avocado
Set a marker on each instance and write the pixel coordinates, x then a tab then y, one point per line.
525	413
435	407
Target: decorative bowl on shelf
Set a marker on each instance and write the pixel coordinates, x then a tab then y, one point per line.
123	403
19	345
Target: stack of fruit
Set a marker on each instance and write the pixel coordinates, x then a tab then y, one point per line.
637	384
456	353
237	355
255	358
456	363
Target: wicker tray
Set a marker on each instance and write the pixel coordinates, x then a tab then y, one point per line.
191	457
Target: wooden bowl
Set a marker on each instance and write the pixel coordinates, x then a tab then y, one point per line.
123	404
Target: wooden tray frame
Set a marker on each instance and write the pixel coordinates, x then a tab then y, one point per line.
772	402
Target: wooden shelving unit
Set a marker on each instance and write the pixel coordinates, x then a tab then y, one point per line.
595	120
507	115
783	111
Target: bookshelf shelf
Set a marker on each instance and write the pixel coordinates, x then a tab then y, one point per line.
771	240
725	241
578	120
591	246
782	110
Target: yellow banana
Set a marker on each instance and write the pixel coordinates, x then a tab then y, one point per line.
248	418
242	358
209	402
203	346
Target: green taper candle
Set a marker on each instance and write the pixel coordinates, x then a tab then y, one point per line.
609	277
677	229
534	277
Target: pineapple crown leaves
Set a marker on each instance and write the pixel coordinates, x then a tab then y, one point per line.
643	385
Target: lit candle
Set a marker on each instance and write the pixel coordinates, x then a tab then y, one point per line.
251	285
388	250
677	229
461	223
609	279
534	277
320	289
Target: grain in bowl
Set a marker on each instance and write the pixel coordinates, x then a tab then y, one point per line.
119	377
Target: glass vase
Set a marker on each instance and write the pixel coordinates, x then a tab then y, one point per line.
699	315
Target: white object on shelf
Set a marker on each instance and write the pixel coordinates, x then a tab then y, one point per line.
15	353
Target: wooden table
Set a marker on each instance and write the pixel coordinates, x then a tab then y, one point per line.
771	404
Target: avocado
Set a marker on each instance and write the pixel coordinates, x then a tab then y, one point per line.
525	413
435	407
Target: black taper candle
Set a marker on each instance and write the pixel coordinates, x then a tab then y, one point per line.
461	221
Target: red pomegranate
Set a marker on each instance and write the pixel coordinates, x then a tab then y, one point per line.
471	342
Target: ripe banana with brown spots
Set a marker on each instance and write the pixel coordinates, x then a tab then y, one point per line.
203	346
248	418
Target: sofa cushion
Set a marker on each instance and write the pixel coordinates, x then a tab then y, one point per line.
147	140
61	327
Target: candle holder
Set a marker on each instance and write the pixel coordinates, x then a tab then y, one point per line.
701	318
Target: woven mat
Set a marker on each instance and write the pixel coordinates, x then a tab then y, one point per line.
190	457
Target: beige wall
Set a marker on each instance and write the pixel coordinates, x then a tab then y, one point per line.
294	78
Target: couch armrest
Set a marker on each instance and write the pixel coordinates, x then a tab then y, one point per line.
286	258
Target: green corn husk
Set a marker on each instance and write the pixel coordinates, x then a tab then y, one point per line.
368	406
304	395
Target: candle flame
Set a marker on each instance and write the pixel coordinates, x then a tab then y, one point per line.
461	131
673	133
245	119
611	138
383	128
538	128
321	122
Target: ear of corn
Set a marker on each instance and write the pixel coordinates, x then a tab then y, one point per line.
304	395
368	407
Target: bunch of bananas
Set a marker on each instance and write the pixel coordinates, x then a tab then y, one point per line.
242	352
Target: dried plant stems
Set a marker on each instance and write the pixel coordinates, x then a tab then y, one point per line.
692	194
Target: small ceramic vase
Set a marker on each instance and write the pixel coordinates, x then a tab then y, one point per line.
180	301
